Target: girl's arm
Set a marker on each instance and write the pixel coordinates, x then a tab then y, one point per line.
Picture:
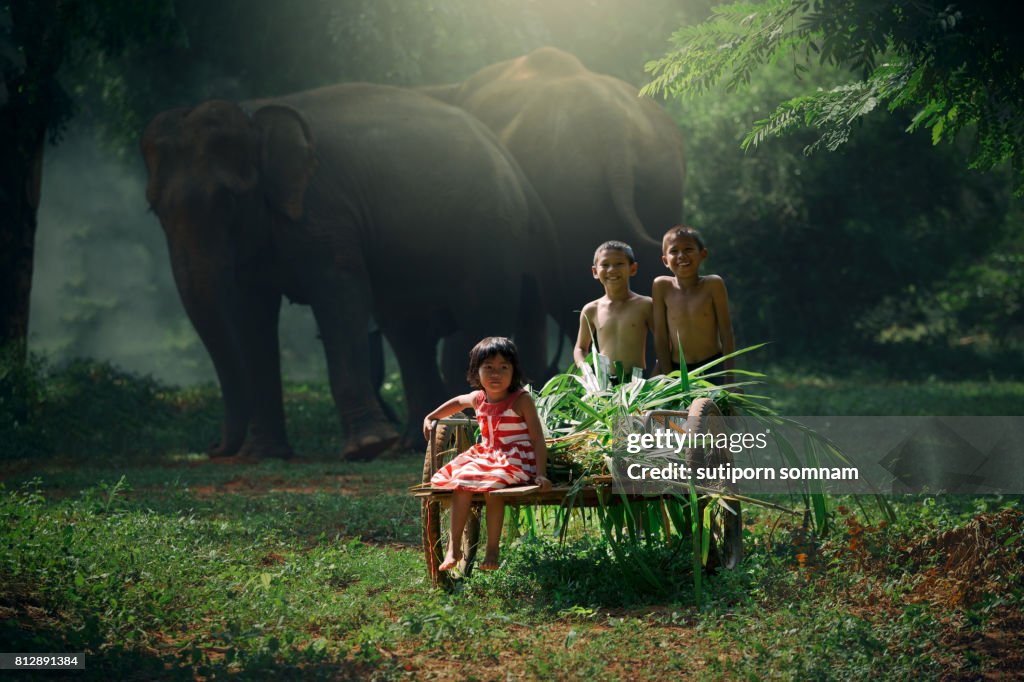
447	409
525	408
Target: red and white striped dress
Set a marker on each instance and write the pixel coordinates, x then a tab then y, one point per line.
503	459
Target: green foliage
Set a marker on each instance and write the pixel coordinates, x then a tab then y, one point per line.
587	571
120	575
981	311
85	409
959	65
818	251
797	391
40	39
86	395
23	431
586	423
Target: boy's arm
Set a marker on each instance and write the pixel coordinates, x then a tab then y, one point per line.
583	338
660	328
720	298
525	407
447	409
649	329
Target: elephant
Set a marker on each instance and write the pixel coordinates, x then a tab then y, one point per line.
607	163
366	202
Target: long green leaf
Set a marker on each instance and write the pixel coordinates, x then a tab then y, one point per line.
695	535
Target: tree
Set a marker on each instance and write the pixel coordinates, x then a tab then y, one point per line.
882	219
958	64
39	39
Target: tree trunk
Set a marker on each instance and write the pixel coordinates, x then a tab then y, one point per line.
31	104
22	137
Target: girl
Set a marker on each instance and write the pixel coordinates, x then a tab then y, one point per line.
512	452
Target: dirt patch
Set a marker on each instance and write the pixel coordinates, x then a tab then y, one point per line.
979	557
998	648
964	574
20	605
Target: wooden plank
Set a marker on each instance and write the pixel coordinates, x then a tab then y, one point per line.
431	492
515	491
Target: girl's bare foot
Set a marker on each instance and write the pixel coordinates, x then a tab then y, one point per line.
490	563
450	562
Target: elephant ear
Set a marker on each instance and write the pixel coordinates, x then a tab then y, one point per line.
287	157
159	140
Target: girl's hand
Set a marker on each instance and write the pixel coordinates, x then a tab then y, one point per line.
543	481
427	423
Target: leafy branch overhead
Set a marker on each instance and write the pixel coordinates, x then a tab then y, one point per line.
956	63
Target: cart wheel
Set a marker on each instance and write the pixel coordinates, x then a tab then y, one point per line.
434	516
725	516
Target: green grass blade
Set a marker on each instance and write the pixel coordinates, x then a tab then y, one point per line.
695	535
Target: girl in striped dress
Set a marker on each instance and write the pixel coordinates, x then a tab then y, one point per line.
512	451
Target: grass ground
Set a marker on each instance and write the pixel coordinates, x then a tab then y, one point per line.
170	565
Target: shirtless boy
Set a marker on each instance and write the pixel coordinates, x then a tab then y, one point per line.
621	318
689	307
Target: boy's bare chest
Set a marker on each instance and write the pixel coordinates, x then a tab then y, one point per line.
616	318
689	303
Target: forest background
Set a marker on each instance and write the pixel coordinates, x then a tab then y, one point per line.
888	261
888	256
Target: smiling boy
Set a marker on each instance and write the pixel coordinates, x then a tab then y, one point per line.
688	307
621	318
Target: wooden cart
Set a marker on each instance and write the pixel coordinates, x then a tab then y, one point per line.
453	435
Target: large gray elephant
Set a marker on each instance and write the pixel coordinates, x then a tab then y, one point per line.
361	201
607	163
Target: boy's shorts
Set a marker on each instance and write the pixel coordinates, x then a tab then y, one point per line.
690	366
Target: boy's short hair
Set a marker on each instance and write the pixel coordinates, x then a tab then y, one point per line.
682	231
614	245
488	348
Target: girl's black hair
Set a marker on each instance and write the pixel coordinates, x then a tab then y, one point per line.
488	348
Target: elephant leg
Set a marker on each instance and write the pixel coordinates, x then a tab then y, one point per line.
259	340
416	353
376	341
236	404
216	330
367	430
